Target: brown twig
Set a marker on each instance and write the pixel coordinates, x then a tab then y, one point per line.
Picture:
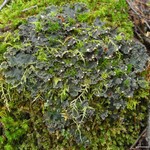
132	147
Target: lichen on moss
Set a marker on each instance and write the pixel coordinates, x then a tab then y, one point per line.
81	79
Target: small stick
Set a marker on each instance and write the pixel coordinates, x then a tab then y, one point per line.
132	147
3	4
29	8
145	147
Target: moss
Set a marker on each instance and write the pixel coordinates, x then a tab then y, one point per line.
59	87
53	26
114	13
41	55
76	82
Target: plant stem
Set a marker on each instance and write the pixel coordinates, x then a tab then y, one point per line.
4	3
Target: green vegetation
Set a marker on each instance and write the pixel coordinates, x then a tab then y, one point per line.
70	76
112	12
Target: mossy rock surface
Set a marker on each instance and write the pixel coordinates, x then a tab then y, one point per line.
87	78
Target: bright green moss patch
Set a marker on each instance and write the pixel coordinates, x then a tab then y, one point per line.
53	27
8	39
113	12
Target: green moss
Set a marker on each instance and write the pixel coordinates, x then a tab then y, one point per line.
114	13
38	26
71	21
53	26
79	87
60	85
41	55
84	17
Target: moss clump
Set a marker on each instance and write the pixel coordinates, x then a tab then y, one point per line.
85	85
113	13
